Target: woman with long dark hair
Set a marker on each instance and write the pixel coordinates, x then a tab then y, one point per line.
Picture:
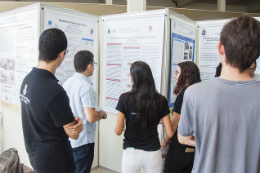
179	158
142	108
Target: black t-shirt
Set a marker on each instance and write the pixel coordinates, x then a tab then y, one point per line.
45	110
136	136
177	109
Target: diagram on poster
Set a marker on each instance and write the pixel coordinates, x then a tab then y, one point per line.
81	34
127	41
183	35
209	57
18	52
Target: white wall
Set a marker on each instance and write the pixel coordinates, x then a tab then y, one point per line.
13	134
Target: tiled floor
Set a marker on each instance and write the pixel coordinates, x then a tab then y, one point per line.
100	170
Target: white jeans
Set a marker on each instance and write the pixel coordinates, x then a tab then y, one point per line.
134	160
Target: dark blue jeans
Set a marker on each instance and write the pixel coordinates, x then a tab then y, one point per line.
83	157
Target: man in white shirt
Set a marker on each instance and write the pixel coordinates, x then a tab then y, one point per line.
83	102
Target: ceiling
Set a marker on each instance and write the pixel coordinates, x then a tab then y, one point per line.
230	2
248	6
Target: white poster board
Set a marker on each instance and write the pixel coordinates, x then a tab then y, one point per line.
81	33
183	36
257	71
209	58
126	41
19	33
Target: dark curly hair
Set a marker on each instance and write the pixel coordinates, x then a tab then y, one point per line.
190	74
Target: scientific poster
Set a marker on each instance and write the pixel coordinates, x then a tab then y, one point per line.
127	41
81	34
18	54
183	35
209	57
257	71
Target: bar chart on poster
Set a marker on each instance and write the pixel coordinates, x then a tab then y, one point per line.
127	41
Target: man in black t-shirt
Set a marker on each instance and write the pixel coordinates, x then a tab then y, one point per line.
46	115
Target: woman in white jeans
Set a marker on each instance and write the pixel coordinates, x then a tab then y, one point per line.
142	108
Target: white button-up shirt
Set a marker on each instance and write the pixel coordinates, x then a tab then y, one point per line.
81	94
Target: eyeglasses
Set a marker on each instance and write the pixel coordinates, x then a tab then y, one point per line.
176	72
66	52
95	63
251	69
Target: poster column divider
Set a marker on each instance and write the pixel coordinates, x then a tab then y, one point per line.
40	22
100	40
196	59
41	18
166	59
98	81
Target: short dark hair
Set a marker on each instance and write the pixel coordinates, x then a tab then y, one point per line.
82	59
51	43
241	40
218	70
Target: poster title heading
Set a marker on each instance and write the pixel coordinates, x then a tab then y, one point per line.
74	23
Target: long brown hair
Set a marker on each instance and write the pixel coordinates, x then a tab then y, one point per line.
190	74
143	96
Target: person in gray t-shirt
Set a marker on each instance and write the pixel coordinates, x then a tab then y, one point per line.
221	117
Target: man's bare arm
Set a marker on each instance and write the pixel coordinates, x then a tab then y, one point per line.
92	115
187	140
74	128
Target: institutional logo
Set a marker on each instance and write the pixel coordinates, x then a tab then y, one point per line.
91	31
50	22
25	89
150	27
108	31
204	32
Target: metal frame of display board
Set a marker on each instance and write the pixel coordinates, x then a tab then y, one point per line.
39	7
191	23
78	14
140	14
67	11
164	68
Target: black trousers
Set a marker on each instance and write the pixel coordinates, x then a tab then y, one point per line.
178	161
53	158
83	157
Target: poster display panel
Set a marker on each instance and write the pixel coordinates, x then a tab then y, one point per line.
257	70
183	35
209	57
127	41
81	34
18	53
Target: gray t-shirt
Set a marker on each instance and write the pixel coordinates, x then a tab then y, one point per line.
224	117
